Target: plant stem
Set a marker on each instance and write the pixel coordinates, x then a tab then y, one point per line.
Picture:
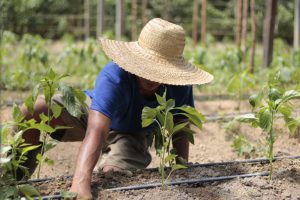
271	143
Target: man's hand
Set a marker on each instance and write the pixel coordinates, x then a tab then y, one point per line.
89	152
82	191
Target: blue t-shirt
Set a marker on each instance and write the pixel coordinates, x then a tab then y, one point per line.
116	95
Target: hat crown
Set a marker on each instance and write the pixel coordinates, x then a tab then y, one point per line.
163	37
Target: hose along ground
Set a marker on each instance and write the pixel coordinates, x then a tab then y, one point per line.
181	182
259	160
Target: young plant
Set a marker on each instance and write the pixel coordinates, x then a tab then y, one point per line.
73	99
163	116
13	154
267	104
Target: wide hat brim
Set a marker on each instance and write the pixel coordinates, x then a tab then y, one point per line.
151	66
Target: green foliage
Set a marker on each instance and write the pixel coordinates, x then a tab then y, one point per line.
12	156
243	147
163	116
50	85
268	103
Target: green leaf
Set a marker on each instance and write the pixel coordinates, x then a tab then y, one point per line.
43	127
292	124
29	104
255	100
265	119
4	134
39	157
29	148
49	145
285	110
148	116
162	99
56	110
29	191
170	104
192	111
68	97
17	114
189	133
18	136
43	118
179	127
234	84
49	161
170	158
51	74
247	118
274	94
169	123
4	149
194	119
287	96
177	166
80	95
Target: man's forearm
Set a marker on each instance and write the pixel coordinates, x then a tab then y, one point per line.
88	156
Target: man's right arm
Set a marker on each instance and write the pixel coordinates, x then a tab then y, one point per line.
89	152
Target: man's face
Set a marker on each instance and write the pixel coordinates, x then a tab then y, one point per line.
147	87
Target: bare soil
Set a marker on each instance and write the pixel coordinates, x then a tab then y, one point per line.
212	144
285	183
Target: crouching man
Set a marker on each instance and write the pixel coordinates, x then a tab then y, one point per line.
112	124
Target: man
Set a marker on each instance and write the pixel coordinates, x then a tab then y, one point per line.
112	125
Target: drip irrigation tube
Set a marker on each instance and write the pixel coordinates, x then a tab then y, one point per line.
180	182
10	103
189	181
259	160
52	197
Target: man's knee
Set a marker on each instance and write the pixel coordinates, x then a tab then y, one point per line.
39	107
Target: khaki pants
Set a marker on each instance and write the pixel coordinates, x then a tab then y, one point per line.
123	150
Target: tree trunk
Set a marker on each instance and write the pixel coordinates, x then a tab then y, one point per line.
203	22
145	10
120	19
268	33
195	22
87	19
244	30
134	7
100	17
239	17
253	28
297	25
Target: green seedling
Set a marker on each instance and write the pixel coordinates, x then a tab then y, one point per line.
163	116
13	153
243	147
73	99
267	104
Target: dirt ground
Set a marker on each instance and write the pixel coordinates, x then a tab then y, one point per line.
212	144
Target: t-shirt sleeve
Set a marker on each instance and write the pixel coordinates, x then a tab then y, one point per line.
107	96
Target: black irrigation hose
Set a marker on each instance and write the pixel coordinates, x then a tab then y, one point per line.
231	162
259	160
196	97
189	181
52	197
180	182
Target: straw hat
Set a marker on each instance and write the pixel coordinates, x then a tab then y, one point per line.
157	55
